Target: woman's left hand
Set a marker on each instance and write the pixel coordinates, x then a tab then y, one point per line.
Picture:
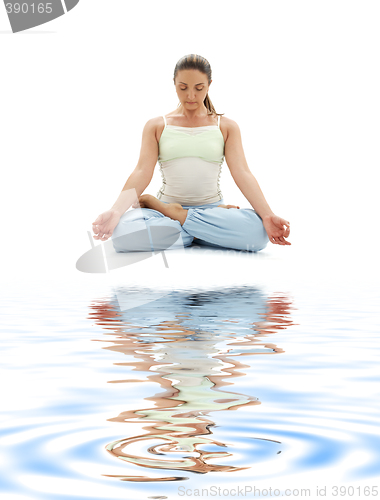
274	226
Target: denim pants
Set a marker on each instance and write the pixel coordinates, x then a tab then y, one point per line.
210	225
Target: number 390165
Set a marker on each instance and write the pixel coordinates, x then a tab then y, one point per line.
38	8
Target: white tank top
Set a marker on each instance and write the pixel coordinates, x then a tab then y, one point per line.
190	160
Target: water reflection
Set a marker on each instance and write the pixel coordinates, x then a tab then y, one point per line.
192	342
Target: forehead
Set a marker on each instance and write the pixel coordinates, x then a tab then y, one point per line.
191	77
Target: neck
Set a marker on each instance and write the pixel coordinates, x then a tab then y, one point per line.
193	114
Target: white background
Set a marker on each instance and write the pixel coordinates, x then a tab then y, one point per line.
300	78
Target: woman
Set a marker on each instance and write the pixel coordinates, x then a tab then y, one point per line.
190	144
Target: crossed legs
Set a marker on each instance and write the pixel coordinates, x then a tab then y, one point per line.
237	229
172	210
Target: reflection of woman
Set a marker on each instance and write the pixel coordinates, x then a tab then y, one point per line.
190	144
193	346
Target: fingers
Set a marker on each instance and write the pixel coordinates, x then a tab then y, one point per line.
284	242
281	232
276	241
287	230
96	229
97	221
279	240
284	222
287	224
102	237
100	234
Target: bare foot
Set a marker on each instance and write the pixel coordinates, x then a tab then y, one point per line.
228	206
172	210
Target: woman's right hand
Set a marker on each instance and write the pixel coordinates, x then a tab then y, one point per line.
105	223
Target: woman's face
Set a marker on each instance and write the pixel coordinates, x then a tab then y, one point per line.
192	87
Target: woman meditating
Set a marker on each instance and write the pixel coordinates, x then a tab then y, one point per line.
190	144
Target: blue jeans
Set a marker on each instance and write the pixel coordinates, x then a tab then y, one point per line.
236	228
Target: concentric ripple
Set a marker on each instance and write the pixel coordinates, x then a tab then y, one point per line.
248	385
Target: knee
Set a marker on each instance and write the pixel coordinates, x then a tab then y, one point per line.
118	243
256	235
115	237
149	235
261	242
131	236
256	242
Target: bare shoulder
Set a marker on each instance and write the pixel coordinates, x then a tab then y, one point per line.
229	127
154	126
155	122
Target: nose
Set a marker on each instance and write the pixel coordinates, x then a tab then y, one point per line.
191	96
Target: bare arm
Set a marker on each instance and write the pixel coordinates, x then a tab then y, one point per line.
104	225
241	174
248	185
140	178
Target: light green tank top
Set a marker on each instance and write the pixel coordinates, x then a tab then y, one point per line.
203	142
190	160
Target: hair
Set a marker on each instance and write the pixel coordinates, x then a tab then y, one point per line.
194	61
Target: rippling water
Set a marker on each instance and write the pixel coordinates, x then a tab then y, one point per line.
116	390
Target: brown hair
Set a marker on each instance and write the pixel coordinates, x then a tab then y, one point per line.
194	61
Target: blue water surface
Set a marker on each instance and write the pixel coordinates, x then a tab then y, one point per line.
258	382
